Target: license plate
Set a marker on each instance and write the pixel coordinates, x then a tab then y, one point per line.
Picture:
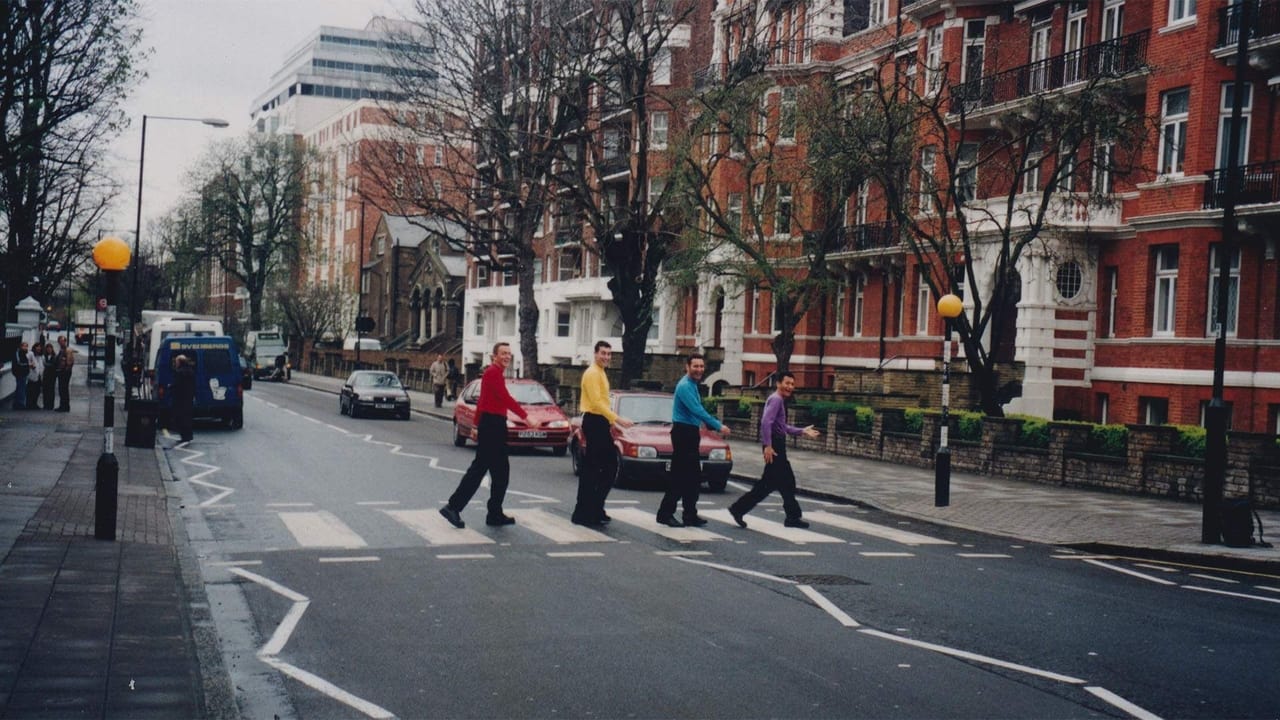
531	434
385	406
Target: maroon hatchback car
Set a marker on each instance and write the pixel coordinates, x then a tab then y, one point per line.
535	399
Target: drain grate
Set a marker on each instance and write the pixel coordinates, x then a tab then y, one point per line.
823	580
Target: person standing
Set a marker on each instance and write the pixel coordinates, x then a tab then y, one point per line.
687	418
65	360
183	391
595	477
35	358
50	378
21	371
778	474
455	378
439	376
491	446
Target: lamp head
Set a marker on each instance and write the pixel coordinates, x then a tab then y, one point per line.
215	122
111	253
950	306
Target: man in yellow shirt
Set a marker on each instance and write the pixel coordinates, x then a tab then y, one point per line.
596	472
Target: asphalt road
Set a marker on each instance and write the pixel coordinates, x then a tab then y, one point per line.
338	591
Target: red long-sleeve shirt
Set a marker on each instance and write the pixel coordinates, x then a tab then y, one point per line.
494	398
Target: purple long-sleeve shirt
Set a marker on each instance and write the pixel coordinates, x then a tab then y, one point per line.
774	421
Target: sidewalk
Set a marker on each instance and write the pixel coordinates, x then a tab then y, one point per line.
89	628
1054	515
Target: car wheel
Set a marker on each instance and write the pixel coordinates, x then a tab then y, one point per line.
236	421
574	460
404	415
459	439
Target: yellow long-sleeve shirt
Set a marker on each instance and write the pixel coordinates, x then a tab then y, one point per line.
595	393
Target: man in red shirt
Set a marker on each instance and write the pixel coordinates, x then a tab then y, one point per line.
491	443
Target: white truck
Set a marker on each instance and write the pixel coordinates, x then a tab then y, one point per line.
261	348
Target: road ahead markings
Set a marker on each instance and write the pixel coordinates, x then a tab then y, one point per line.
845	522
772	528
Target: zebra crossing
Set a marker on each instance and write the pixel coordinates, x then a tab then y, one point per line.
324	529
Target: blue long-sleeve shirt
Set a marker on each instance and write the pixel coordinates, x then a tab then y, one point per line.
687	407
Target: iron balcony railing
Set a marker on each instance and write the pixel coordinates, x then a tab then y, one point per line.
856	238
1107	59
1257	183
1264	20
614	165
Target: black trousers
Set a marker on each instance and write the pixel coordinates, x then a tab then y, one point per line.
49	384
64	390
777	475
686	471
491	458
439	390
599	467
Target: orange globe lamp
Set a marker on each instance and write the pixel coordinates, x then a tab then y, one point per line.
111	254
950	306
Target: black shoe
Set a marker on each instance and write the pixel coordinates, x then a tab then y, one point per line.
604	518
499	520
452	516
795	522
694	521
669	521
578	520
737	517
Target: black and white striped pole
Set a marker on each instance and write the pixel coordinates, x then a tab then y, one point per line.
111	255
949	307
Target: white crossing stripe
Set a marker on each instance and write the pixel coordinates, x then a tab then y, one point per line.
646	520
861	526
320	529
555	527
774	528
432	527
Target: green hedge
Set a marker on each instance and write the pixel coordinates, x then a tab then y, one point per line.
1033	431
1109	440
1191	440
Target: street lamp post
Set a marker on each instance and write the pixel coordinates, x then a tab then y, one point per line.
949	307
137	227
111	255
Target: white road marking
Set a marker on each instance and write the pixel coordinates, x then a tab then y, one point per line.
1161	568
1215	578
866	528
235	563
320	529
622	502
681	553
974	657
787	553
465	556
645	520
354	559
1127	571
324	686
886	554
1231	594
1114	699
740	571
208	469
821	601
378	502
774	528
556	528
430	526
290	505
983	556
1268	589
574	554
344	431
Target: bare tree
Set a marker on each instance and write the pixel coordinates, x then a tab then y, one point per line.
312	312
252	193
68	66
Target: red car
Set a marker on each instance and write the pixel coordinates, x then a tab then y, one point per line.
644	449
553	434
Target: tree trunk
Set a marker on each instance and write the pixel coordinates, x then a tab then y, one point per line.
528	314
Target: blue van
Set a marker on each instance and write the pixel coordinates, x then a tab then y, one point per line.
219	392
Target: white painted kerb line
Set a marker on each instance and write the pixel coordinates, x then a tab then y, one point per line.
1114	699
280	637
975	657
821	601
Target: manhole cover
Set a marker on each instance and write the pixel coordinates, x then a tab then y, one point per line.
823	580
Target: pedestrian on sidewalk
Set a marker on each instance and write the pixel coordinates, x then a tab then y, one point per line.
183	392
492	407
21	362
595	476
439	376
50	379
455	379
778	474
35	358
66	359
687	418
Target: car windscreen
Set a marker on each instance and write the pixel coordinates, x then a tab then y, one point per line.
385	380
217	362
646	408
530	394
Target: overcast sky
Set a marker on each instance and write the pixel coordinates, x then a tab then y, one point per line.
210	58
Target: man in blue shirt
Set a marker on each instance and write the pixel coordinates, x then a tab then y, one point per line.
687	418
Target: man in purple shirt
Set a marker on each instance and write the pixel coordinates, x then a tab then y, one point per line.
777	471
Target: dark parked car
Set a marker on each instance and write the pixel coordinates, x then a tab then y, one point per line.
373	391
535	399
644	449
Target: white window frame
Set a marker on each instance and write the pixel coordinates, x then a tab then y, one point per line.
1165	303
1031	174
1113	280
859	303
783	200
1224	119
787	109
934	73
733	216
864	194
1182	11
842	295
1104	154
1173	134
438	158
660	73
878	13
967	167
980	43
1233	294
923	301
928	172
659	125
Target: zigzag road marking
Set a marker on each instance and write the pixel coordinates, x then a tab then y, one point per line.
208	470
